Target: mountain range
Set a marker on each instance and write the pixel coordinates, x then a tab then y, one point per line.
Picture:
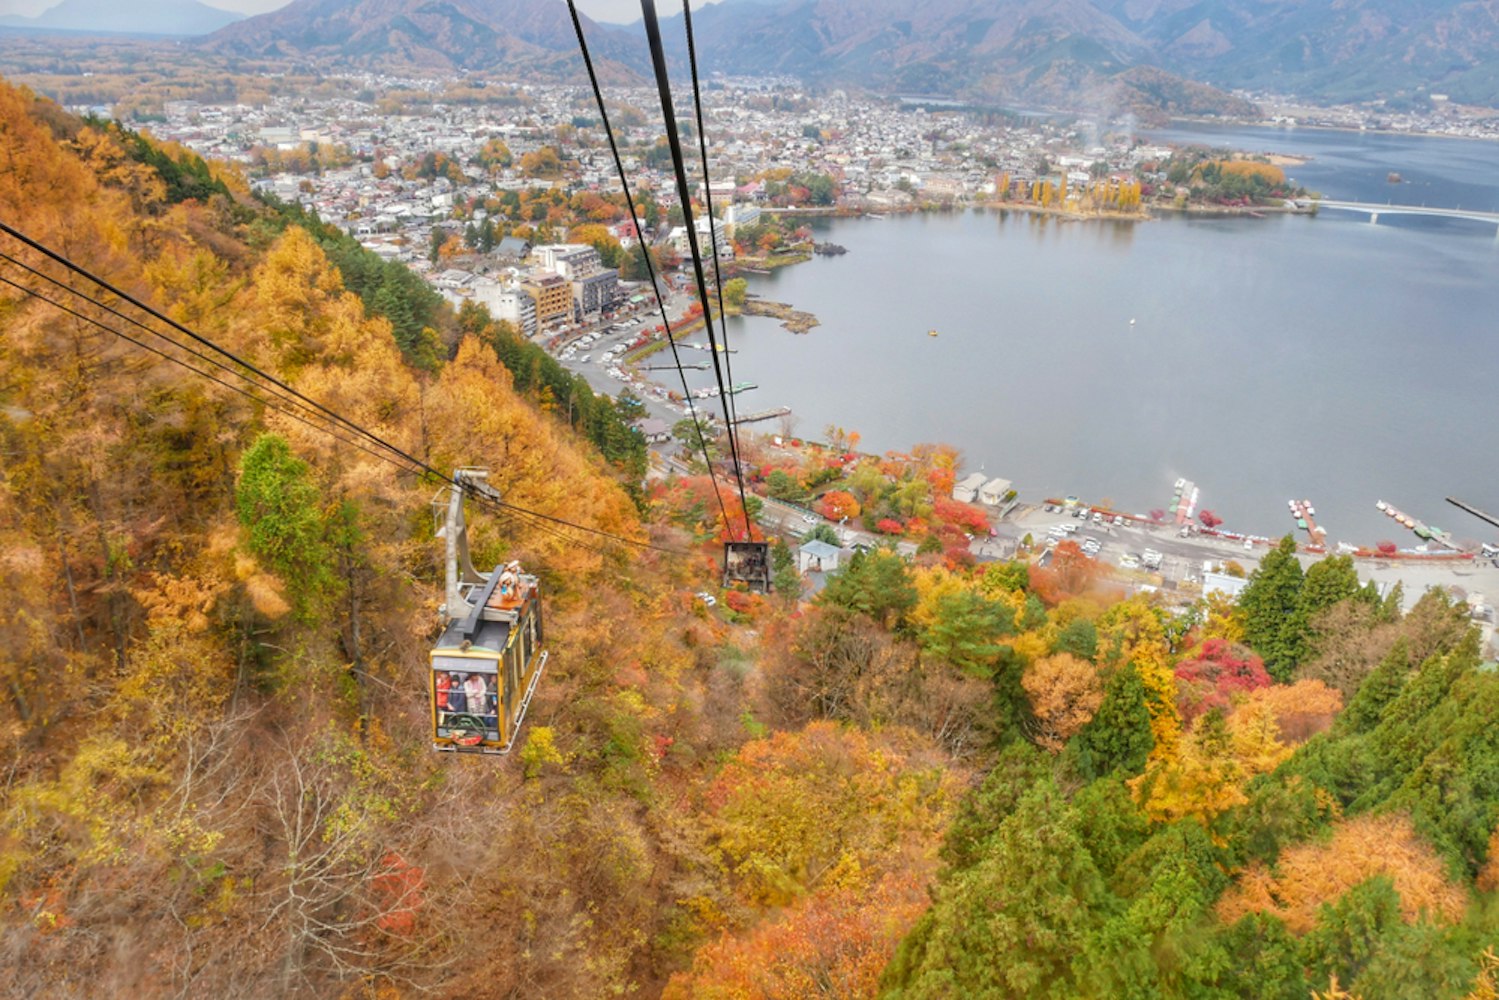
516	36
160	17
1066	51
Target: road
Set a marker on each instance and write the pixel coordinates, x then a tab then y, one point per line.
596	369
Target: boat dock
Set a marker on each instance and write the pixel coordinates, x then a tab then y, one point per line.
1304	512
771	414
1183	502
1423	531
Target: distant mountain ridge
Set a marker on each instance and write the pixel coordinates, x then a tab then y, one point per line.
1349	50
160	17
480	35
1076	52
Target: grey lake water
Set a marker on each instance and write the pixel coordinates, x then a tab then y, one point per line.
1269	358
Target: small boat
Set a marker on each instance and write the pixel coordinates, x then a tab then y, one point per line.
1393	177
931	333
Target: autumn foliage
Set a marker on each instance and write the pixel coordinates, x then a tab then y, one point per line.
1064	693
1212	678
834	944
1308	876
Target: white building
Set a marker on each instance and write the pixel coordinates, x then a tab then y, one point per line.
993	492
817	557
966	489
1229	586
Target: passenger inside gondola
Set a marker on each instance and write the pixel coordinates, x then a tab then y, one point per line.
474	694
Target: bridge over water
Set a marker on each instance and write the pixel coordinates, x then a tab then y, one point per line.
1374	211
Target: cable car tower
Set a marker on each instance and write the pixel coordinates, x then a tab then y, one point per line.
487	661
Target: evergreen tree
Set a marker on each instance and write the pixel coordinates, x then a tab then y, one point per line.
280	508
1014	924
877	584
1270	603
964	629
784	577
1379	688
1080	638
1327	582
1118	738
822	532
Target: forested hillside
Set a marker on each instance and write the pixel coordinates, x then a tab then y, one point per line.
933	780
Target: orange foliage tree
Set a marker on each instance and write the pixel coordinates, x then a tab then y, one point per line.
838	504
1064	692
834	944
1308	875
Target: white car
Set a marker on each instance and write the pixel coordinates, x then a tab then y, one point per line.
707	598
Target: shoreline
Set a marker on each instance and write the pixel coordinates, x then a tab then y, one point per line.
1422	133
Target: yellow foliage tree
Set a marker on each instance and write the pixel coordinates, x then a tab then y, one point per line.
1204	777
790	811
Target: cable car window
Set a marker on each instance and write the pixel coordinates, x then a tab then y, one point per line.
465	664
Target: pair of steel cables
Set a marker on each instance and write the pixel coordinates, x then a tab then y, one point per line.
722	365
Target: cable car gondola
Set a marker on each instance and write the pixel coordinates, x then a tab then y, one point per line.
747	563
488	660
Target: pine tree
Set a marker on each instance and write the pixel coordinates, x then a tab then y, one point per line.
1119	737
1270	603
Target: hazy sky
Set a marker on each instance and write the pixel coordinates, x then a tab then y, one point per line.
618	11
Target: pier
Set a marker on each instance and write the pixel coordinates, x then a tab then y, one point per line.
1303	511
1422	530
771	414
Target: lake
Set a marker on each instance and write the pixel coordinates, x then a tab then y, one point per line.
1268	359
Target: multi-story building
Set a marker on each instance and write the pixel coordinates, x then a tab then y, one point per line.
553	295
724	245
593	285
511	304
736	217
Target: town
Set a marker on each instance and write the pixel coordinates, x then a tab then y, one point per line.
506	197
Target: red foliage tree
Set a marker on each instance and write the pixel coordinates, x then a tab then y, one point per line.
890	526
1388	548
1209	519
1210	679
1157	514
964	515
398	887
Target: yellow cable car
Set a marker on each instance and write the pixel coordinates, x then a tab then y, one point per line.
485	668
488	660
